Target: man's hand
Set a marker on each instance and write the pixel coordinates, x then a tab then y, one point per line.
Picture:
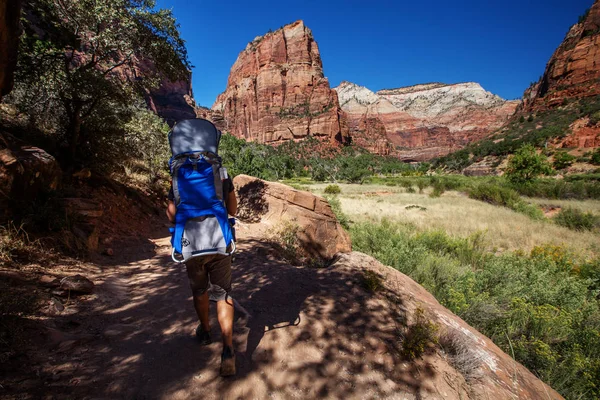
231	203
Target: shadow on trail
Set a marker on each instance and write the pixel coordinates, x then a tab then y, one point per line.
310	333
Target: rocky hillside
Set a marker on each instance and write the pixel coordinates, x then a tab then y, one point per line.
572	72
423	121
277	91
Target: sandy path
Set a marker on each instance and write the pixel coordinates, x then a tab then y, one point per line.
312	333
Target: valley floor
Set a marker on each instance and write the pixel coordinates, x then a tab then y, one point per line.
458	215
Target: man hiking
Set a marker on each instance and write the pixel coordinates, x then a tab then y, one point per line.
196	211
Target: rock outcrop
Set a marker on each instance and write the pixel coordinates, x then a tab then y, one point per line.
573	71
424	121
277	91
10	14
25	173
319	233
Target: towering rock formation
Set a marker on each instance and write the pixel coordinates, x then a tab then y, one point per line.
423	121
277	91
573	72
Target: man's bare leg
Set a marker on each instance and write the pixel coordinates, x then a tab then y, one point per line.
201	306
225	313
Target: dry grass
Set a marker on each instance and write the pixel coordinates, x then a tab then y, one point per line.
458	215
592	206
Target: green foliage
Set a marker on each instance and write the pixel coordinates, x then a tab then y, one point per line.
495	194
285	236
372	281
506	197
576	219
333	189
307	158
439	187
420	336
583	17
559	189
543	305
546	125
78	80
563	160
525	165
147	137
336	207
595	159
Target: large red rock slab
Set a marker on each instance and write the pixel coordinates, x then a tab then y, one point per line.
25	172
498	376
270	203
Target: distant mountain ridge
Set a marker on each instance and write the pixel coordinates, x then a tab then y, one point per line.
422	121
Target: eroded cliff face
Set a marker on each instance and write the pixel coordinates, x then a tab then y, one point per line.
277	91
573	71
173	101
423	121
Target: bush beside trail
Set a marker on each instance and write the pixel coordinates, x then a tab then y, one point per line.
543	307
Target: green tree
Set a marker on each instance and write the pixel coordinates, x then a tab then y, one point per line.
563	160
82	57
147	138
595	159
526	164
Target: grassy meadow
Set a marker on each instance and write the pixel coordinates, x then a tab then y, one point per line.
458	215
523	270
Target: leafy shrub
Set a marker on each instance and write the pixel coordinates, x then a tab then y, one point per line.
542	306
595	158
420	336
336	207
506	197
576	219
525	165
438	187
333	189
563	160
495	194
372	281
285	235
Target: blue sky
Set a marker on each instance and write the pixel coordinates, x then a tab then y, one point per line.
386	44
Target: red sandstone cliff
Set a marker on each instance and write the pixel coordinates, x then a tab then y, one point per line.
423	121
573	71
277	91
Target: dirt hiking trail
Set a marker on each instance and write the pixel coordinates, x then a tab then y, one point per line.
300	332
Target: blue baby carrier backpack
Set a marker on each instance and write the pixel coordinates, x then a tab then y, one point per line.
201	223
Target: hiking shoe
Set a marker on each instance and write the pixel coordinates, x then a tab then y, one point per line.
227	362
203	336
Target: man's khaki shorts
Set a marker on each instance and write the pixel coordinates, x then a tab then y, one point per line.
212	271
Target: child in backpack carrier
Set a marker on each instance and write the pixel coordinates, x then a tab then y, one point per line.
200	200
